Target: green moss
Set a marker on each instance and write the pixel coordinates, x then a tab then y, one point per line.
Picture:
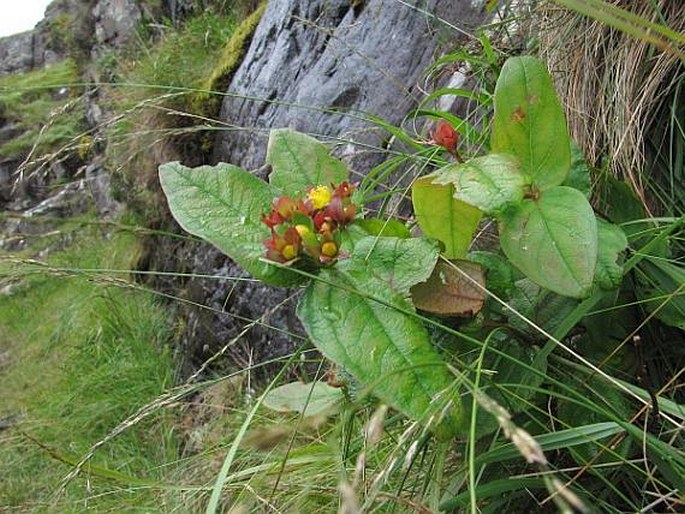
180	60
206	101
60	131
60	33
16	90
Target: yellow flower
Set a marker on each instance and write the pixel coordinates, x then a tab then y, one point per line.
320	196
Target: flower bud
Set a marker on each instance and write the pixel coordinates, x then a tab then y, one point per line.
286	207
444	135
329	249
303	230
344	190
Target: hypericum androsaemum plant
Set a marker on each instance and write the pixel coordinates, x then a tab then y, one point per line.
365	278
304	228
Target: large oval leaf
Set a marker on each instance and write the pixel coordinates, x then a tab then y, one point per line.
223	205
361	322
489	183
529	122
384	227
443	217
553	240
300	161
398	263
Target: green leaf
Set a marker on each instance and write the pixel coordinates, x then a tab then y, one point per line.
300	162
223	205
385	228
352	318
398	263
612	241
499	272
351	236
622	204
529	122
579	175
443	217
553	240
544	308
489	183
307	399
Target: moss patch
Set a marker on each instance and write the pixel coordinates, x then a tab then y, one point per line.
207	101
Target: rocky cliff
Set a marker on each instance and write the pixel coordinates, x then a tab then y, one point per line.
311	60
52	141
70	26
36	125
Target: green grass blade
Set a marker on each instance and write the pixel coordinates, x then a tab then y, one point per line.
492	489
555	440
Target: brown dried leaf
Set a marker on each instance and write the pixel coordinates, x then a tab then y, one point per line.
448	292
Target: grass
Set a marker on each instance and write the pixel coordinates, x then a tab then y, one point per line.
80	357
167	114
44	105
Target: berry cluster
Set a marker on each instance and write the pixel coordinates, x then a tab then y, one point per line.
309	227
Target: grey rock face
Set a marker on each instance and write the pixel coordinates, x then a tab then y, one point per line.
7	168
43	45
316	66
99	186
115	20
310	59
178	9
16	53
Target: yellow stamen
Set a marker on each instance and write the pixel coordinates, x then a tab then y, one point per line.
320	196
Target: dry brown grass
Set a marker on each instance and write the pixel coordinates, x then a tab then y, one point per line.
612	85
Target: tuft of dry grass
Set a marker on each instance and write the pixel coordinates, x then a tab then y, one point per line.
613	85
